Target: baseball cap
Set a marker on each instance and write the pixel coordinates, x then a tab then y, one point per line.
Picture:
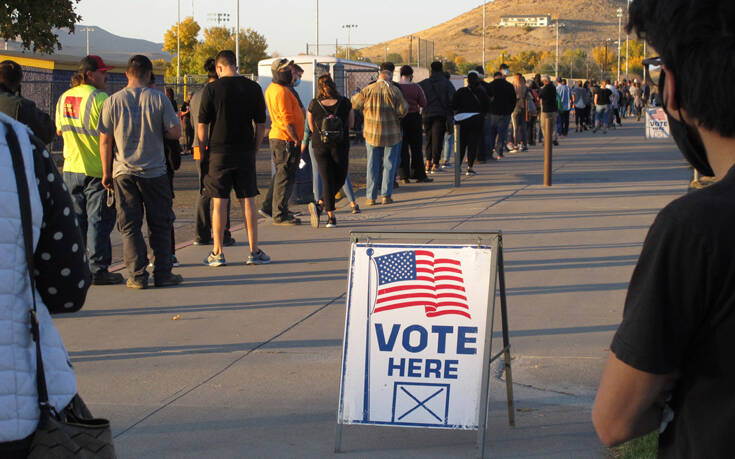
92	63
280	64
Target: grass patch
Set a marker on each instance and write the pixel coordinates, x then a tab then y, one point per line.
645	447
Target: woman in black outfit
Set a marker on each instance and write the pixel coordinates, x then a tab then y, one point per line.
332	156
470	103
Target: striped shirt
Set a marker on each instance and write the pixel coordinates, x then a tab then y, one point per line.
383	106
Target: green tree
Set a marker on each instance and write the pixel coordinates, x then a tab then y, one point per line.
396	58
253	48
34	22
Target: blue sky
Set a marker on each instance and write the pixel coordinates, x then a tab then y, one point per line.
287	24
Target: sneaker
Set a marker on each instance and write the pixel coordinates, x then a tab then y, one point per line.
263	213
355	208
432	171
500	156
386	200
524	148
314	214
228	242
139	284
215	260
175	261
258	258
395	184
513	151
405	181
106	278
369	202
425	180
332	223
443	165
293	221
470	172
202	242
555	142
167	280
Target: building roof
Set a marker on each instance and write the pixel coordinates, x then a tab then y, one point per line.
525	16
62	61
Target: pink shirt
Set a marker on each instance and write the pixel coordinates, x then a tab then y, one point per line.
414	96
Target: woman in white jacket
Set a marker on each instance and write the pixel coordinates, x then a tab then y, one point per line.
62	278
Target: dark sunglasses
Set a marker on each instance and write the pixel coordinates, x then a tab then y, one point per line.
654	69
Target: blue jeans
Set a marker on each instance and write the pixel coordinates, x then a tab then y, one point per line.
380	171
602	116
316	180
395	156
448	148
498	130
96	220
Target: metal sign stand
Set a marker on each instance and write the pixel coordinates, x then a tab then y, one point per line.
497	277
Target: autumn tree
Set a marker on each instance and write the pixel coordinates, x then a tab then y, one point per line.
189	32
34	22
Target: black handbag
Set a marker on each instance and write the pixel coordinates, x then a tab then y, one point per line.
72	433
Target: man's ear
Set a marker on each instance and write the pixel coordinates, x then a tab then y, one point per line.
668	93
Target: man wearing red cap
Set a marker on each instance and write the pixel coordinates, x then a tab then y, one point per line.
77	119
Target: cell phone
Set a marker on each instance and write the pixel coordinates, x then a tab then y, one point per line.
110	198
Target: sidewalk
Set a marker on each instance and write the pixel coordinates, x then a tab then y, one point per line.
250	366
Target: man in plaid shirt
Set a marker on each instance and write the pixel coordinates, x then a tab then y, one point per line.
383	106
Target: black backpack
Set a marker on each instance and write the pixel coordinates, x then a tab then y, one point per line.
332	130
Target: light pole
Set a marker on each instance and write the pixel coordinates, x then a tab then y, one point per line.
386	54
317	29
349	28
620	23
237	34
627	36
556	65
484	4
178	44
86	29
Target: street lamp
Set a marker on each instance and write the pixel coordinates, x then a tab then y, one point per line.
620	23
556	66
317	29
237	34
627	35
86	29
178	44
484	4
349	28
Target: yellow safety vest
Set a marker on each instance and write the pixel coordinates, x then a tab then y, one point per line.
77	117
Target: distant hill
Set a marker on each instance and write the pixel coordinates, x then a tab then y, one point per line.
586	24
108	45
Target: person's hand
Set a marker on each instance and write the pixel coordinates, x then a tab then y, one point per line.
303	148
107	181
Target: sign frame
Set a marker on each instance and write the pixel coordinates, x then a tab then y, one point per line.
494	240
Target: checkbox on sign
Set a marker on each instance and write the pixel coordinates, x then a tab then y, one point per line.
420	403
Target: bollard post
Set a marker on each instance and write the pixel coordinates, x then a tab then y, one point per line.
457	158
548	137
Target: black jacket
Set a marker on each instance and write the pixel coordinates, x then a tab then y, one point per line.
548	98
504	97
470	100
25	111
439	92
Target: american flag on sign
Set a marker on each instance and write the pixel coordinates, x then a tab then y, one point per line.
417	278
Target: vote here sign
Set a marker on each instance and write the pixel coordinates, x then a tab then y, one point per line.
414	335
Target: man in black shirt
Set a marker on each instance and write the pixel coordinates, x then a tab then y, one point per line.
233	110
502	104
603	97
549	107
671	366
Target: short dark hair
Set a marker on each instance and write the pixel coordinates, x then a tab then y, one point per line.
480	70
298	68
695	41
406	70
388	66
211	68
11	74
497	74
503	66
436	66
226	57
139	65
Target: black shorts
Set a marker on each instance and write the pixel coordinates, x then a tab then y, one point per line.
223	176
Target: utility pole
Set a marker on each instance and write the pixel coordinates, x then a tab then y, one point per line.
556	65
620	23
237	34
644	56
627	36
484	4
410	49
317	29
178	44
349	28
86	29
604	62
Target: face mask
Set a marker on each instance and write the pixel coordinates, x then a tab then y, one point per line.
297	82
506	72
688	140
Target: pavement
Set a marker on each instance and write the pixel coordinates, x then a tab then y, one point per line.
244	361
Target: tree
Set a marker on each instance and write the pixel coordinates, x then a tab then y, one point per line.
253	48
396	58
33	22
